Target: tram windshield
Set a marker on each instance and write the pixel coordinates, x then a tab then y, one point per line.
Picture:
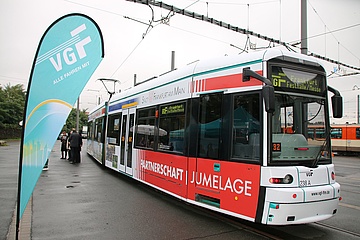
293	138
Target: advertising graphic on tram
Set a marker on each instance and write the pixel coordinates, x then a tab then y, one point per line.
232	135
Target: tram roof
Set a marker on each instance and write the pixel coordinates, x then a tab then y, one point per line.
209	65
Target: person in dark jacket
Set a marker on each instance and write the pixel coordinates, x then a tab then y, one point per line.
75	146
64	140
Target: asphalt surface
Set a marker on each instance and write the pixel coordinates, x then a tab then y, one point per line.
9	158
86	201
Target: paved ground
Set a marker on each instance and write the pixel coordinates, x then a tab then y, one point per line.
9	157
85	201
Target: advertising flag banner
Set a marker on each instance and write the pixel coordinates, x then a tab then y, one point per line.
68	54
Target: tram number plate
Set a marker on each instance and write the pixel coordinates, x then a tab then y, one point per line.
305	183
276	147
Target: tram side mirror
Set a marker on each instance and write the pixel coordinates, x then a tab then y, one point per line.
267	91
337	106
269	98
246	74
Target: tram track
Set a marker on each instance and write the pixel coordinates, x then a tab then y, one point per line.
263	231
272	232
337	229
239	224
349	184
349	206
342	190
247	226
244	227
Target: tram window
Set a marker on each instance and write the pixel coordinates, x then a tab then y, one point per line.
171	127
98	126
311	133
145	129
210	125
146	113
336	133
357	132
113	134
246	127
90	131
316	133
320	133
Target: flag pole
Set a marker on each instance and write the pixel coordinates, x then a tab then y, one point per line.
22	123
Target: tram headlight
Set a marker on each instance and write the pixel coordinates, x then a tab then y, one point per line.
332	175
285	180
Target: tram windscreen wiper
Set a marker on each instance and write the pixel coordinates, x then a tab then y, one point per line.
318	156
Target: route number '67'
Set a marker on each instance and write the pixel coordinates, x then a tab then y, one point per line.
305	183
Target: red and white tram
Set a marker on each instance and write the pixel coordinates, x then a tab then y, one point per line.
212	134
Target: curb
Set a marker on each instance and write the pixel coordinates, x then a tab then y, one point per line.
25	224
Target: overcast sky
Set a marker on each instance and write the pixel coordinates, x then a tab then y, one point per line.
333	31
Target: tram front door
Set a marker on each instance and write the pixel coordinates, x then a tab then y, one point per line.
126	143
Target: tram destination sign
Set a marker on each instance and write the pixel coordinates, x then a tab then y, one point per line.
173	109
288	79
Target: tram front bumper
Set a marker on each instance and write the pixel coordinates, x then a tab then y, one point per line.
299	213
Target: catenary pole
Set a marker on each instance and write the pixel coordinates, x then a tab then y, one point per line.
304	46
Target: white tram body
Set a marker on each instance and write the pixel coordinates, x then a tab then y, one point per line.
215	136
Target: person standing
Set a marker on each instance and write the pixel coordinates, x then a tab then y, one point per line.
63	140
68	145
75	146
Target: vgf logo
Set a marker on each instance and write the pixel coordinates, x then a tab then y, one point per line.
66	52
310	173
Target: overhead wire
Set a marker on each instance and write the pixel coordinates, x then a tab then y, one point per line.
192	4
150	26
325	33
345	75
332	32
128	56
231	27
239	4
124	16
232	45
213	21
99	9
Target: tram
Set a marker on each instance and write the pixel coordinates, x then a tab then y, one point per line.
212	134
345	138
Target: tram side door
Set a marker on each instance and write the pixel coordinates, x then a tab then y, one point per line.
126	143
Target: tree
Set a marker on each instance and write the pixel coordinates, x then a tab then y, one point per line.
71	120
12	102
